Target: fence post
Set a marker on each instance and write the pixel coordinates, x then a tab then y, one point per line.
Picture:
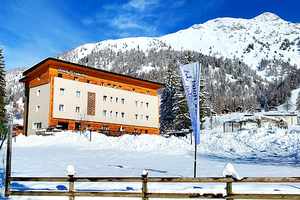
8	158
144	185
71	186
229	187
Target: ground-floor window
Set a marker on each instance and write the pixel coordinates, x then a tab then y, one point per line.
37	125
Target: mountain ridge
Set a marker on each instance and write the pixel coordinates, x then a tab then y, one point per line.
265	36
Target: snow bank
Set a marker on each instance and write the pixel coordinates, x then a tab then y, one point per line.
275	145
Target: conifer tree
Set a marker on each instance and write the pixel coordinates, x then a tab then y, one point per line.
2	90
204	108
166	111
167	116
181	110
182	120
298	102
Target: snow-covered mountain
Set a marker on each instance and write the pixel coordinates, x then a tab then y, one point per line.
256	42
266	36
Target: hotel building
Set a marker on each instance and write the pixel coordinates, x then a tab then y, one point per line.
62	93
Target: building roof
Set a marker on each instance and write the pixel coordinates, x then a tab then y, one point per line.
51	60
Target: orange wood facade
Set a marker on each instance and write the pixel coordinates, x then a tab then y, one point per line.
45	71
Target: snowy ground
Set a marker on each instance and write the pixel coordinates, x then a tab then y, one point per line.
253	153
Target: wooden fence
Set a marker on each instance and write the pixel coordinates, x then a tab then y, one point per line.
144	180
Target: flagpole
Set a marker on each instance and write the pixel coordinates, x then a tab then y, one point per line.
191	81
195	161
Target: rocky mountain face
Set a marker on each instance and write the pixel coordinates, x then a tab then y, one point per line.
266	36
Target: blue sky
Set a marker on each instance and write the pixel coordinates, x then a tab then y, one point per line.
31	30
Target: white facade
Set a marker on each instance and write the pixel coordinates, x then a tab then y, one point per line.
112	105
39	108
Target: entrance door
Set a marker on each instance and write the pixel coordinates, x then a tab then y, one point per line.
77	126
64	125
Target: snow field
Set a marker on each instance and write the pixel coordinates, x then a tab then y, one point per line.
253	153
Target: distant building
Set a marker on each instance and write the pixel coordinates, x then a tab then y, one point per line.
238	109
290	118
67	95
225	111
272	108
266	120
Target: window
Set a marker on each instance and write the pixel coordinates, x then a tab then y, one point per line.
123	101
147	92
133	90
106	128
61	107
142	104
147	105
135	130
120	87
142	117
114	86
39	78
75	78
117	114
117	100
136	117
62	91
88	81
104	112
60	75
77	109
37	125
108	85
146	131
38	108
38	92
123	115
78	94
104	98
147	118
102	83
111	99
91	103
111	114
136	103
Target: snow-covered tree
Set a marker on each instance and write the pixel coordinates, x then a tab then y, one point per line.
3	118
167	116
298	102
166	111
181	110
204	108
287	104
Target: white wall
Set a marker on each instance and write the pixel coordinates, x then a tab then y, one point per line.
71	101
43	101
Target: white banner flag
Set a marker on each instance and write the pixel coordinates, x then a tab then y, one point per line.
191	81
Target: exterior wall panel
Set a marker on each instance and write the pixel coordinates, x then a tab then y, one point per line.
43	102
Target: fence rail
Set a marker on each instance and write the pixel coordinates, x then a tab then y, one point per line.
144	194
